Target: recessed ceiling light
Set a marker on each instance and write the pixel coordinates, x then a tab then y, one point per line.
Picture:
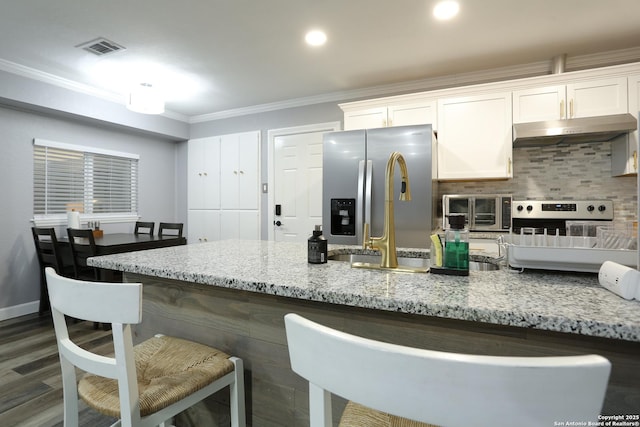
446	9
315	38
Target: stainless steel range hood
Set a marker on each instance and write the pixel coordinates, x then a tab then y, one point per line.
585	129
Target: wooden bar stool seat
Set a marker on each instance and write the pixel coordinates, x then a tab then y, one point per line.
143	385
169	369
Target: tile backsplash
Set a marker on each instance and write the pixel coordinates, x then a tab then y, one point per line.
563	172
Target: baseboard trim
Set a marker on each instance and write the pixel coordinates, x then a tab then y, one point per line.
19	310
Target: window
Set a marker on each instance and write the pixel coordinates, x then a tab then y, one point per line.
94	182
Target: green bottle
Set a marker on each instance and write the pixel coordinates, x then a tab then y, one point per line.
456	244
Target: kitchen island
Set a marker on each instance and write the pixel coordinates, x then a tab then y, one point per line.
234	294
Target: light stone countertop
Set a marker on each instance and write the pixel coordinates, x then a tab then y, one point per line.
555	301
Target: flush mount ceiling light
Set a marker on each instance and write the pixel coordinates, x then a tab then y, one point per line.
315	38
146	99
446	10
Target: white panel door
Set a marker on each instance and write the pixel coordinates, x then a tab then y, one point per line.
298	185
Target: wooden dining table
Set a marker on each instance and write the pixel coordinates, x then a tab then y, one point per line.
116	243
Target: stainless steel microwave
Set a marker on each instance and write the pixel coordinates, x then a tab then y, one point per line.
483	212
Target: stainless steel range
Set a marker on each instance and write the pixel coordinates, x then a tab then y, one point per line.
554	215
568	235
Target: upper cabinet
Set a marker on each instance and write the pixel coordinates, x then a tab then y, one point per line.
624	149
475	137
224	187
366	118
239	166
203	173
363	116
599	97
475	123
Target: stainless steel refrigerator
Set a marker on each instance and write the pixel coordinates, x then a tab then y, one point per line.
353	185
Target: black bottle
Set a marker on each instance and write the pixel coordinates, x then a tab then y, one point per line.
317	247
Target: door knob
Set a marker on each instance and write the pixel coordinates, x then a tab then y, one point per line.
278	223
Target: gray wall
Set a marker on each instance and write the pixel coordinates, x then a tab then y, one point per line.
19	280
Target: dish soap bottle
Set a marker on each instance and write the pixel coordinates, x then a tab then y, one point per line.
317	247
456	246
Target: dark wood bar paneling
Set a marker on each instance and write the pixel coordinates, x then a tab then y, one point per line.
251	326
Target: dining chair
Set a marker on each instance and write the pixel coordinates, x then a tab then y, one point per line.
174	227
143	385
80	251
147	228
385	381
48	254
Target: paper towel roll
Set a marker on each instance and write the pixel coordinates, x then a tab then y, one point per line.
73	219
620	279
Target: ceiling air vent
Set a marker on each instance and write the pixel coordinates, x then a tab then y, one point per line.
101	46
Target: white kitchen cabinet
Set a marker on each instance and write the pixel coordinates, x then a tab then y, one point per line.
590	98
224	187
400	114
475	137
203	173
203	225
239	166
624	149
243	225
368	118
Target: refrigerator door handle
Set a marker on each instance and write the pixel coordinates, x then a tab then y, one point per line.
367	196
360	201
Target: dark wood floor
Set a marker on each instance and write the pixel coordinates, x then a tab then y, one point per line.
30	379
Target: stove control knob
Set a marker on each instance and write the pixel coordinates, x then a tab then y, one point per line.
602	208
590	208
520	208
529	208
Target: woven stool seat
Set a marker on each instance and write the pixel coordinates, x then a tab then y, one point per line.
146	385
168	370
356	415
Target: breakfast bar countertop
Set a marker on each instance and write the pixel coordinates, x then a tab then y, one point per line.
555	301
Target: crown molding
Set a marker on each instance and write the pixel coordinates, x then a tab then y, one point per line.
383	90
604	59
579	62
33	74
476	77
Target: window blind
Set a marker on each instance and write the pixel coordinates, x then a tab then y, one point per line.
90	181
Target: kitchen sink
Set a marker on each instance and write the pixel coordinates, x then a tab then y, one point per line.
482	266
404	263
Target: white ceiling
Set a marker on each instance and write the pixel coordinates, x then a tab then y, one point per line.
216	55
